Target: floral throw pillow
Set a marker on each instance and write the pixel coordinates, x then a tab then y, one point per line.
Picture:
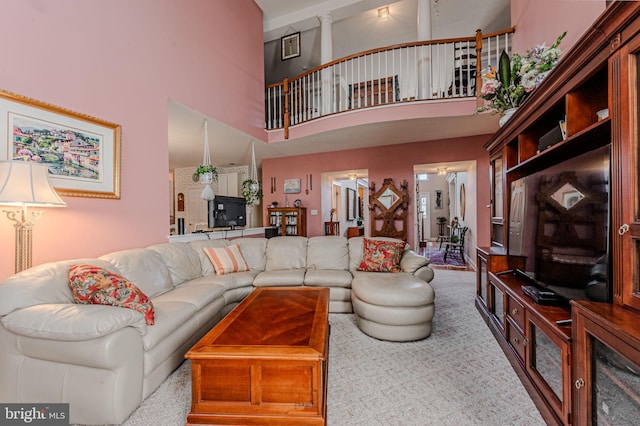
94	285
381	256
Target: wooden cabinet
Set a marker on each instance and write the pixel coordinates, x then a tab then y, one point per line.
289	221
587	372
607	367
332	228
355	231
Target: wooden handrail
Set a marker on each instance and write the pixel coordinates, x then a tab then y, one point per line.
477	39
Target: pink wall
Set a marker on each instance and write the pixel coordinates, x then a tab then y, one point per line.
394	161
121	61
539	21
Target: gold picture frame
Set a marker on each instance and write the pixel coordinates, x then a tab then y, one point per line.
82	152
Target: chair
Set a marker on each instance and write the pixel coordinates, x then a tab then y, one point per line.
456	243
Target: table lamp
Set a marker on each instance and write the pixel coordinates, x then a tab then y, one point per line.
25	184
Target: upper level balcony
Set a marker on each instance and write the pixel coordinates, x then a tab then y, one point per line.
426	72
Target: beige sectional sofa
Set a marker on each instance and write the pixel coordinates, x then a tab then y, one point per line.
105	360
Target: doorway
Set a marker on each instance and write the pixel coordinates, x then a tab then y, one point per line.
346	192
443	192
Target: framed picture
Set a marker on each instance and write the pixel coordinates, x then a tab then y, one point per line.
438	203
290	46
351	204
82	152
292	186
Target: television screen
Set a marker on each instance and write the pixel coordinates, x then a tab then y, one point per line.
559	220
227	212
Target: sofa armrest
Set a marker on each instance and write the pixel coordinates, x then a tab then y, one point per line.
72	322
412	261
425	273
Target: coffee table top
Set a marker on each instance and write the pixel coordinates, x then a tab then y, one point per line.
271	321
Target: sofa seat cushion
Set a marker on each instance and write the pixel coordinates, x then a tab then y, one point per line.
170	315
229	281
327	278
71	322
291	277
143	267
398	289
196	293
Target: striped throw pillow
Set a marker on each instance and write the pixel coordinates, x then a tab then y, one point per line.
227	259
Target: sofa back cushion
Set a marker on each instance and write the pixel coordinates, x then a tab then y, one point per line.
286	253
42	284
181	260
206	268
356	250
328	252
143	267
254	251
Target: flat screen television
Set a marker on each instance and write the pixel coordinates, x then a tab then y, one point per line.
227	212
560	221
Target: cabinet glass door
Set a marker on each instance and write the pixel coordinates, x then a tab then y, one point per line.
546	360
615	387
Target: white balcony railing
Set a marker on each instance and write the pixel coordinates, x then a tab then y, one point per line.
435	69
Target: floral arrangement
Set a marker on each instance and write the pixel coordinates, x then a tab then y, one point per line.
201	170
517	76
251	192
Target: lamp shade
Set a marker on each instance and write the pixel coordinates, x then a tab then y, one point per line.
27	184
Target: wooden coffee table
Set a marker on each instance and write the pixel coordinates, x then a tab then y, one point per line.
266	362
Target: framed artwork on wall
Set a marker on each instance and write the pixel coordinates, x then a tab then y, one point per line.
438	203
292	186
81	152
290	46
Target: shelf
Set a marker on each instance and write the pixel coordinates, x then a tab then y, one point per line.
594	136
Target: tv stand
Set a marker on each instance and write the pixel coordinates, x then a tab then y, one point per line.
527	330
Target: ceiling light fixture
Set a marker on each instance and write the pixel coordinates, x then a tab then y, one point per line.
442	171
383	13
353	176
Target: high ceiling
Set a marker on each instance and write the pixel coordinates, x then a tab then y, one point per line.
229	146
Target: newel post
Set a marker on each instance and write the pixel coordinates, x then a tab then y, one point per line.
286	108
479	100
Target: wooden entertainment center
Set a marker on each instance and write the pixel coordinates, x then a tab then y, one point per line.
587	370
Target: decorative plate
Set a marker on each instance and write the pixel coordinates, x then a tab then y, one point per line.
297	203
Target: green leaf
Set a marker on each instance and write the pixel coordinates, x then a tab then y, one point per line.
504	69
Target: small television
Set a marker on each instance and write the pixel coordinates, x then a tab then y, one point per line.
560	222
227	212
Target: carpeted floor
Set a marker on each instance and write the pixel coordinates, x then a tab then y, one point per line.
457	376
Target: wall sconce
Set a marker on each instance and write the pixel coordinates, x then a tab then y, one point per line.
353	176
25	184
383	13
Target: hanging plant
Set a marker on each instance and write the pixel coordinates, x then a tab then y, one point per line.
202	170
251	191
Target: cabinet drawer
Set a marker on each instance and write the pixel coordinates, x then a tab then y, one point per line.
516	339
516	311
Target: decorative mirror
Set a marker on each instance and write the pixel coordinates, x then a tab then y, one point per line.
389	207
567	196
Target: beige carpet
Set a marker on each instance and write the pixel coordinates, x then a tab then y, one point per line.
457	376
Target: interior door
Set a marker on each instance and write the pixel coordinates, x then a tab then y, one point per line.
196	210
